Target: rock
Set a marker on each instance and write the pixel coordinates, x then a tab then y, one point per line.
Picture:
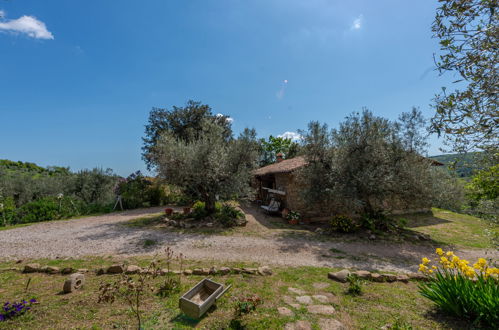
417	276
298	325
67	270
201	271
284	311
82	270
31	268
296	291
187	272
363	274
403	278
321	309
74	282
375	277
213	270
340	276
330	324
372	237
52	270
224	270
209	224
115	269
307	300
251	271
19	261
237	270
265	270
389	277
288	300
100	271
132	269
320	285
320	298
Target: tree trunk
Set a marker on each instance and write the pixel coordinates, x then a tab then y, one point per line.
209	205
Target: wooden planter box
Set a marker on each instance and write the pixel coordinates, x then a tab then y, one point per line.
200	298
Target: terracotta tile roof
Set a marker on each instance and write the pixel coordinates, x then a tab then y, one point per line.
286	166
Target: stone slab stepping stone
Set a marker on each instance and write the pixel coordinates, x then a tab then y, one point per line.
330	324
74	282
31	268
403	278
307	300
321	309
321	298
296	291
298	325
320	285
284	311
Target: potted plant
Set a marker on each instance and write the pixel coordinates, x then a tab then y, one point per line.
293	217
168	211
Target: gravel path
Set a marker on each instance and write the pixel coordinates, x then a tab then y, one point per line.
106	235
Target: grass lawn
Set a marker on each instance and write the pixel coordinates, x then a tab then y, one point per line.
380	304
449	228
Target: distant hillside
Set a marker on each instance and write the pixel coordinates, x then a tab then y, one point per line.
31	168
464	165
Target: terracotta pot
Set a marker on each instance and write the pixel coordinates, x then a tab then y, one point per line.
285	212
293	221
187	210
168	211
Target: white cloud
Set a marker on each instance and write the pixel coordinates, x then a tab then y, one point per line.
291	135
357	23
229	119
28	25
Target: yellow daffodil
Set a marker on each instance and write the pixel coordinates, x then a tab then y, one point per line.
439	251
425	261
450	253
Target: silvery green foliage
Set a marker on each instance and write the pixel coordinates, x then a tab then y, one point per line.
363	167
469	49
210	166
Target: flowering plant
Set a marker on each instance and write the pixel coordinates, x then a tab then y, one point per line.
460	289
14	309
293	215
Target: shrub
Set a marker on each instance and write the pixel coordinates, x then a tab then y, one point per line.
7	209
228	215
354	285
293	215
343	224
247	304
461	290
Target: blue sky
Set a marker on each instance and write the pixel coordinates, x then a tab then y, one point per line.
78	78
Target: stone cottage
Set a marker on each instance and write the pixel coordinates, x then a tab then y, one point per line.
279	181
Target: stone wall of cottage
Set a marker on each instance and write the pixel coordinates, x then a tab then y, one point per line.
294	200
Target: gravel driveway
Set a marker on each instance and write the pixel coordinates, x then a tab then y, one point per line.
106	235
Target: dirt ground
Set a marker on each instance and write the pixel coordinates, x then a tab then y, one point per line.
265	240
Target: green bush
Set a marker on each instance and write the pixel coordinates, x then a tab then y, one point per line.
7	211
354	285
228	215
47	208
343	224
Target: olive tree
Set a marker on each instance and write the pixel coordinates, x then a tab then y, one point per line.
211	166
363	167
469	40
182	122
